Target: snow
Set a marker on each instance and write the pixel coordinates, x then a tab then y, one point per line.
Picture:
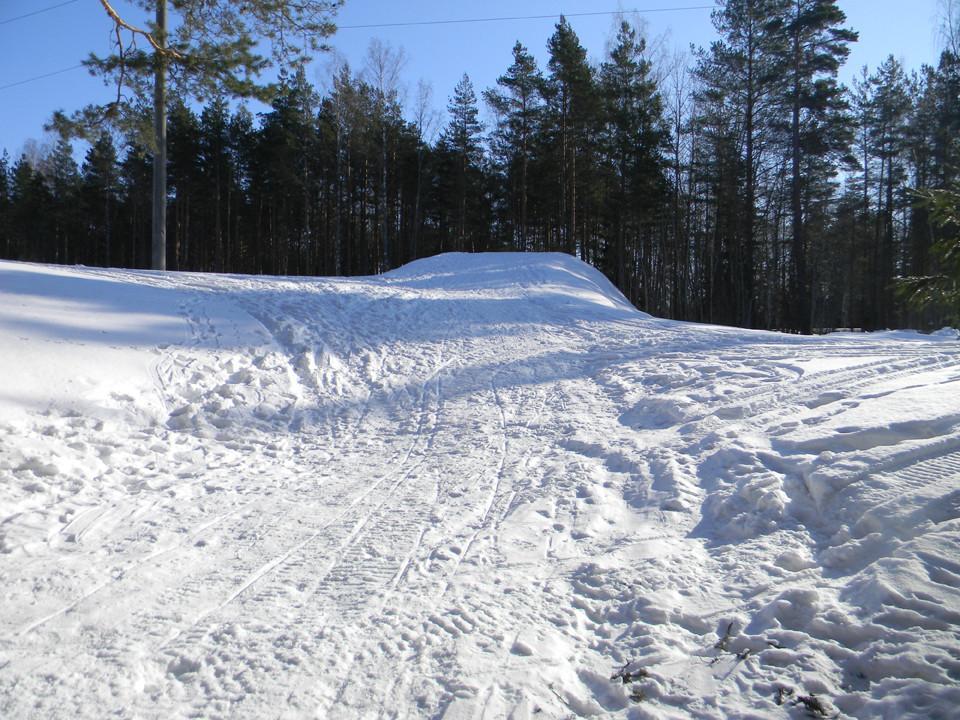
480	486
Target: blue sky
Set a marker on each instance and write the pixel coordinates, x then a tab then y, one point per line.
440	54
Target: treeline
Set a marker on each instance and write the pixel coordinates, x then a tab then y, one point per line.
748	189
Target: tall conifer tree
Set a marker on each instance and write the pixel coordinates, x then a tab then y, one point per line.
571	100
632	138
460	143
518	106
816	45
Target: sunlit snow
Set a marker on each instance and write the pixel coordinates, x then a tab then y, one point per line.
480	486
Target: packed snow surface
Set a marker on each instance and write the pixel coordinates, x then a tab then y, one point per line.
481	486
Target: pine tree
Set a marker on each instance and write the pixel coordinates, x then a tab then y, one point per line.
919	143
815	48
383	69
424	121
335	126
741	78
211	48
891	105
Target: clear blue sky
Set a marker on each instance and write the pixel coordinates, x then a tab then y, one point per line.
60	38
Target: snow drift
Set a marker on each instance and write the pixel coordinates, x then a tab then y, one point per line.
477	486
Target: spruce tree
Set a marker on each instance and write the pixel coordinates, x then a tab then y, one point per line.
460	144
283	175
189	192
947	134
99	190
31	229
571	101
518	106
941	287
64	212
632	138
136	173
216	172
5	206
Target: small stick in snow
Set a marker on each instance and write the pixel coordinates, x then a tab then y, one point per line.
560	697
628	676
725	640
813	704
783	693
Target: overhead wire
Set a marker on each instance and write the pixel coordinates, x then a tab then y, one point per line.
522	17
37	12
40	77
384	25
9	20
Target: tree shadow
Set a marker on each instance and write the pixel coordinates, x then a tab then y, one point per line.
41	302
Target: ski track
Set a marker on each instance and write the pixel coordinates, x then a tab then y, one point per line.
477	488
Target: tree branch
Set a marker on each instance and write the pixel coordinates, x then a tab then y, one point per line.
124	25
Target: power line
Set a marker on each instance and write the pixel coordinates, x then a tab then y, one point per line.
40	77
521	17
379	25
37	12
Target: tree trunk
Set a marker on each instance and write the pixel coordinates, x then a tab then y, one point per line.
159	239
746	269
523	194
799	294
572	236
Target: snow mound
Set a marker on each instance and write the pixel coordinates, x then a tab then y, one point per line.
479	485
550	280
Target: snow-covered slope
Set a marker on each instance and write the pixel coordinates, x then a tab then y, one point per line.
479	486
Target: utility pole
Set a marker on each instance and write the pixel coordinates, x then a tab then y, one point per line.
159	236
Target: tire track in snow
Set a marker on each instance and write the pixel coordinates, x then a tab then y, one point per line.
365	526
422	605
812	388
485	524
340	537
392	527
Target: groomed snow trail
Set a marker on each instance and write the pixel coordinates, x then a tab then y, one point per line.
476	487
